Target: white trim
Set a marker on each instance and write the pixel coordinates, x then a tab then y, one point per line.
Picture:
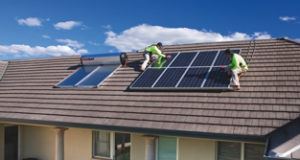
242	151
112	145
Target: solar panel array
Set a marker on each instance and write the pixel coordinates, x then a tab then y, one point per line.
202	70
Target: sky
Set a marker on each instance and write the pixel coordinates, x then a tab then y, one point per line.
46	28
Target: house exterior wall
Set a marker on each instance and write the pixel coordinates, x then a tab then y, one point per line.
137	147
37	142
78	144
1	142
196	149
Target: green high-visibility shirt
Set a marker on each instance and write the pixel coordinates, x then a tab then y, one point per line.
238	61
154	50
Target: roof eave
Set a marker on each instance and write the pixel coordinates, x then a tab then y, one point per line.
152	131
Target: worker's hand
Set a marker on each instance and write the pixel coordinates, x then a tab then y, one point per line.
168	56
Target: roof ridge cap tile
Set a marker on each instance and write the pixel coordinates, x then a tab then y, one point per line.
45	58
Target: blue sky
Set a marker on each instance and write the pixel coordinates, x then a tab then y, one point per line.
42	28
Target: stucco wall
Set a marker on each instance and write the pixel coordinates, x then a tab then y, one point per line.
78	144
1	142
38	142
196	149
137	147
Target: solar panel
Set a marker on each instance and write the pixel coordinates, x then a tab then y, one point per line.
76	76
194	77
148	78
183	60
217	77
96	76
87	76
170	77
164	62
205	58
200	70
223	59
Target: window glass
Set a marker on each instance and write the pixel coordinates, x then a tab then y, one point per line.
101	146
254	151
167	148
229	151
122	146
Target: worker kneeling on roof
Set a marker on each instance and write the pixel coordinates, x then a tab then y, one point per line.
238	66
153	52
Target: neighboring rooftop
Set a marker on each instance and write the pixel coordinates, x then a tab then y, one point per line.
269	97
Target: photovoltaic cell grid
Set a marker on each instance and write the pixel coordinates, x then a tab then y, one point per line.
203	70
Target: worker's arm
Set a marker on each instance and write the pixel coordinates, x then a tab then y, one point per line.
159	52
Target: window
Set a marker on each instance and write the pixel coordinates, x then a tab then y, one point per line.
235	150
87	76
102	143
122	146
229	151
111	145
167	148
254	151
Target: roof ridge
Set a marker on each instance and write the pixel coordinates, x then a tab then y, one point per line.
45	58
231	41
289	40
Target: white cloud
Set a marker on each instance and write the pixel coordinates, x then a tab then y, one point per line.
94	43
67	25
24	51
107	27
30	21
70	43
46	36
287	18
142	35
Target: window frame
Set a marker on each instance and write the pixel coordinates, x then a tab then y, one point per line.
111	141
242	149
157	148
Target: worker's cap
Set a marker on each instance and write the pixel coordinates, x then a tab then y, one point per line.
159	44
227	51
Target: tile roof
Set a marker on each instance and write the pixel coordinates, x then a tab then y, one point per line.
269	98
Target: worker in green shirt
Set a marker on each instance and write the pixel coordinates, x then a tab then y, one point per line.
153	52
238	66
